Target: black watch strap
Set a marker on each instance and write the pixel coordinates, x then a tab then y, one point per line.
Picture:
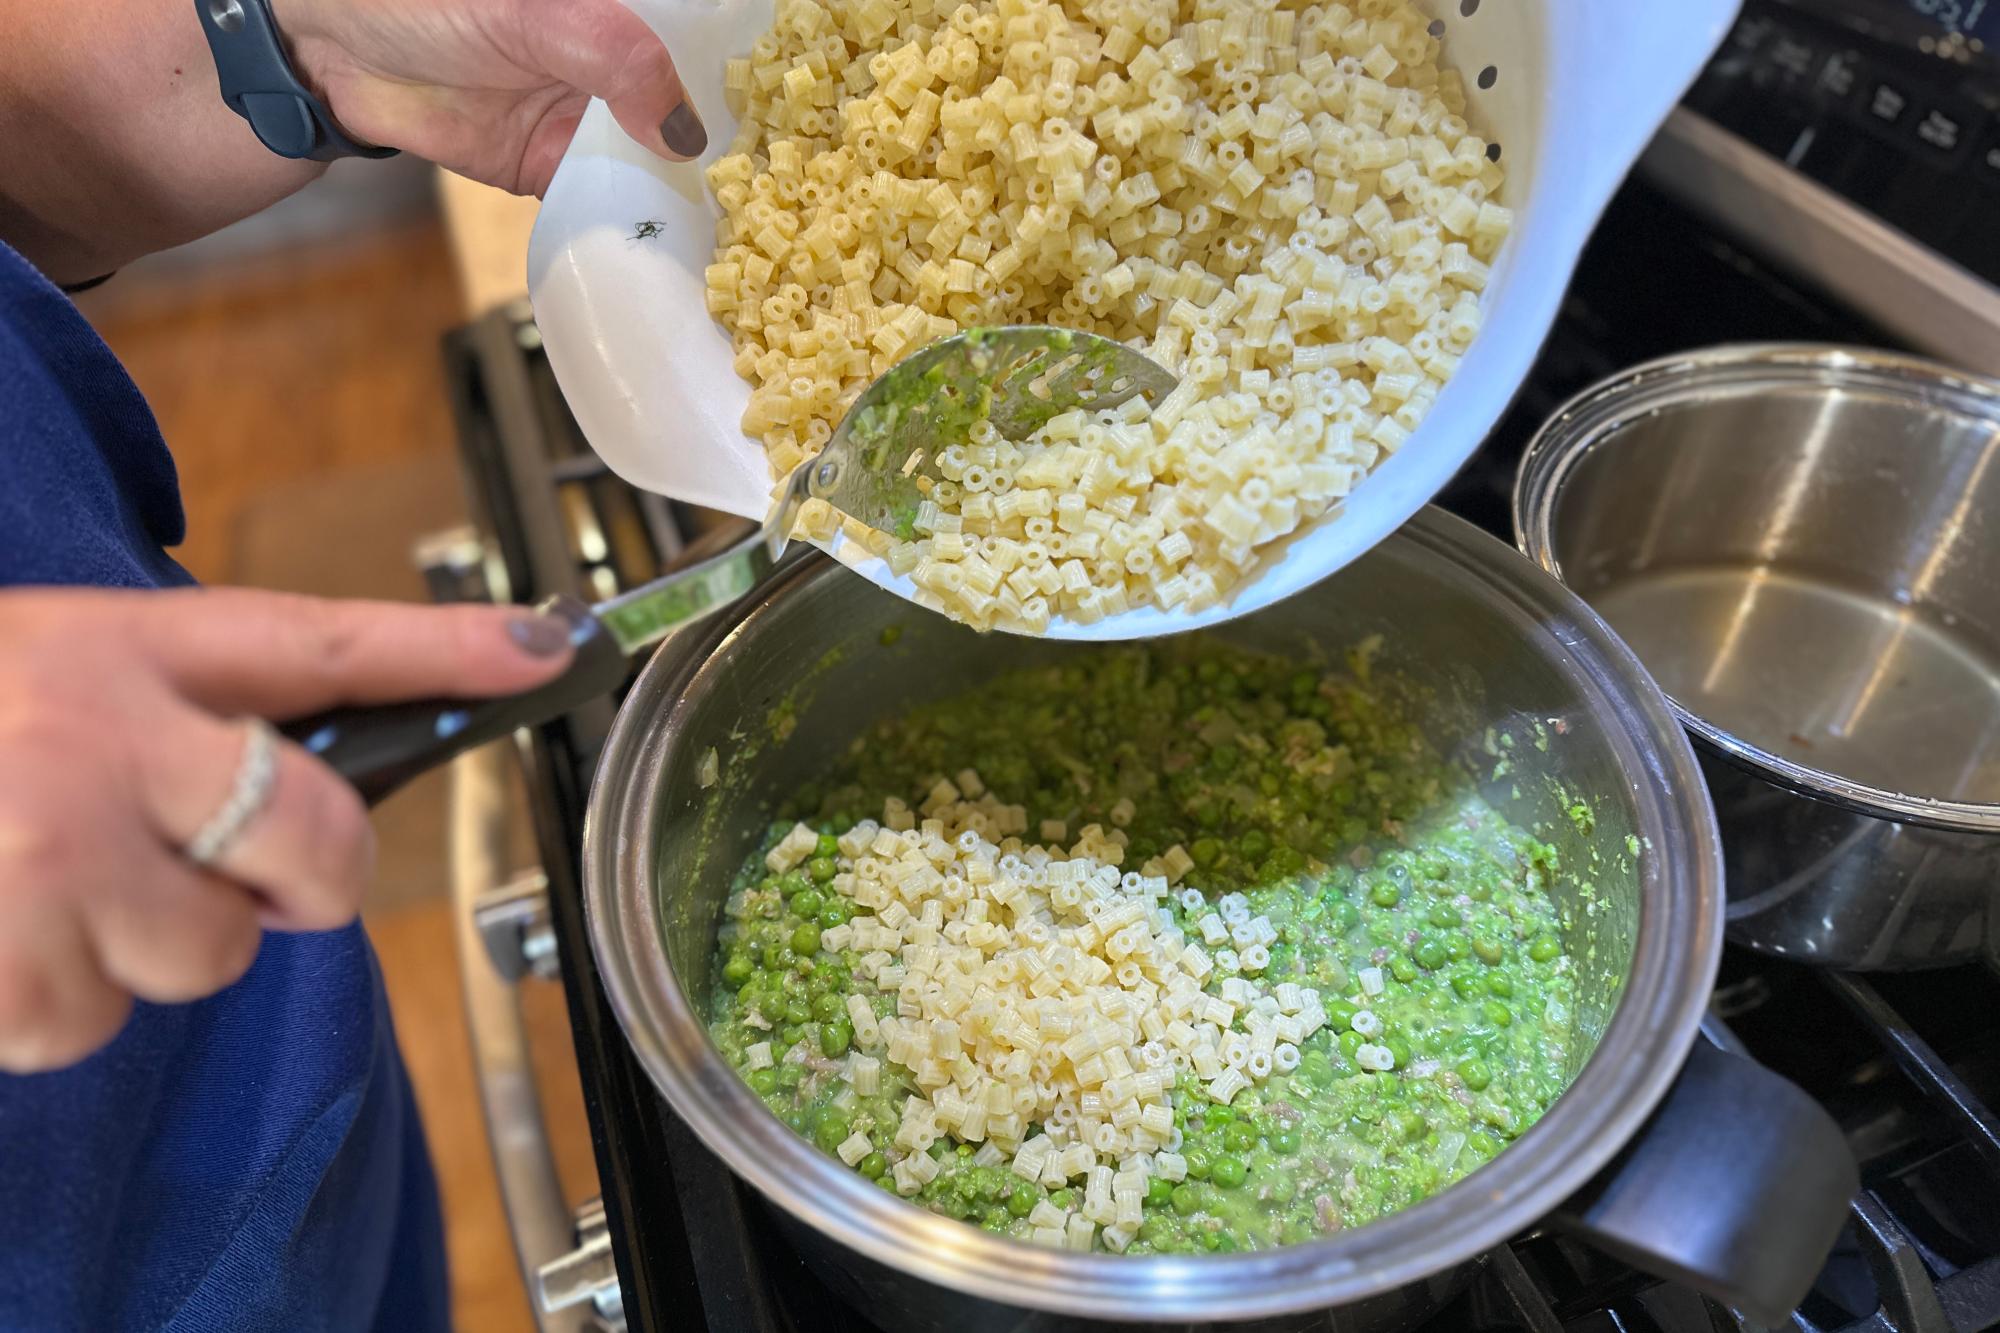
259	84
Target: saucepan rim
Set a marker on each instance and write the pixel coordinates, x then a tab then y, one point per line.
1589	419
1677	948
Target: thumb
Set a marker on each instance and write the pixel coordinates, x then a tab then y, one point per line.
604	49
235	650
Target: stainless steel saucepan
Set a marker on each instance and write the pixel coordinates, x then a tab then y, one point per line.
1802	544
1680	1158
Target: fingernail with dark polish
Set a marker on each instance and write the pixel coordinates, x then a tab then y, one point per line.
540	636
683	131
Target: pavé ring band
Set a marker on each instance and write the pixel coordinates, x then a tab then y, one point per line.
249	793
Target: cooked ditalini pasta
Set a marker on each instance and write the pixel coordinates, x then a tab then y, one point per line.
1037	986
1296	220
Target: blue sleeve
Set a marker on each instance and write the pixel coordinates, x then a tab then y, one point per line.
250	1162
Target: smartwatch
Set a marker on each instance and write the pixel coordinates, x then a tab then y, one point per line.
259	84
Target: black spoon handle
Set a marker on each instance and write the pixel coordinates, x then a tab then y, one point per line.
379	747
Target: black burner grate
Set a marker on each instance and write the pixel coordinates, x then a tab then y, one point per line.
1910	1065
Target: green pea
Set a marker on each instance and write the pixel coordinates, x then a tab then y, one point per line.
1021	1199
1239	1137
807	902
1228	1172
1349	1042
835	1037
1159	1192
1186	1200
790	1075
763	1082
1156	1231
798	1010
1475	1074
1282	1188
1489	949
833	1127
1384	894
1062	1198
1409	1125
1316	1069
1543	948
1198	1163
1444	916
1399	1050
1341	1014
822	869
828	1006
1285	1142
1457	947
827	846
1431	954
1205	851
1253	844
835	913
874	1164
806	941
1482	1143
1467	987
1402	969
1217	1116
738	969
1499	985
1498	1014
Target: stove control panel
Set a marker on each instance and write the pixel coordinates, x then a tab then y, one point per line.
1894	104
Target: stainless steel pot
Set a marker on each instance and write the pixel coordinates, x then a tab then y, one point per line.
1802	544
1686	1170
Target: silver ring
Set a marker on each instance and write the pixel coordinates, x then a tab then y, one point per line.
249	793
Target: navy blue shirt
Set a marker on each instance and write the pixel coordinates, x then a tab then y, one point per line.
249	1162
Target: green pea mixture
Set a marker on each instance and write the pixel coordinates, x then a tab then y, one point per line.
1411	905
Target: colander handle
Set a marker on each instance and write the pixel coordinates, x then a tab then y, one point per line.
1737	1187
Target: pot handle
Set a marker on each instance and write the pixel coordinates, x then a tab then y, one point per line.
379	747
1737	1187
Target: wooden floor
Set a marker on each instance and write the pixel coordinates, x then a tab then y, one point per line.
291	368
302	396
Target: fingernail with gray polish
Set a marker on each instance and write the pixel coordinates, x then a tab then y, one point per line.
683	131
540	636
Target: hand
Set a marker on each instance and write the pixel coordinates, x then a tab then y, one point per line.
491	89
120	738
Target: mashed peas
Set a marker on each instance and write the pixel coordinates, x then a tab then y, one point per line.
1412	907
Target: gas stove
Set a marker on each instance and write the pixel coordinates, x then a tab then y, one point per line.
1909	1064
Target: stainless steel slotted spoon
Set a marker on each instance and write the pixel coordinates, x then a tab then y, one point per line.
876	469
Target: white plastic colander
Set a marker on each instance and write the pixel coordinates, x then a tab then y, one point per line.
1571	90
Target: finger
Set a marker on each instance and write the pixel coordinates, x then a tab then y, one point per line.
606	50
308	849
169	932
236	651
56	1004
